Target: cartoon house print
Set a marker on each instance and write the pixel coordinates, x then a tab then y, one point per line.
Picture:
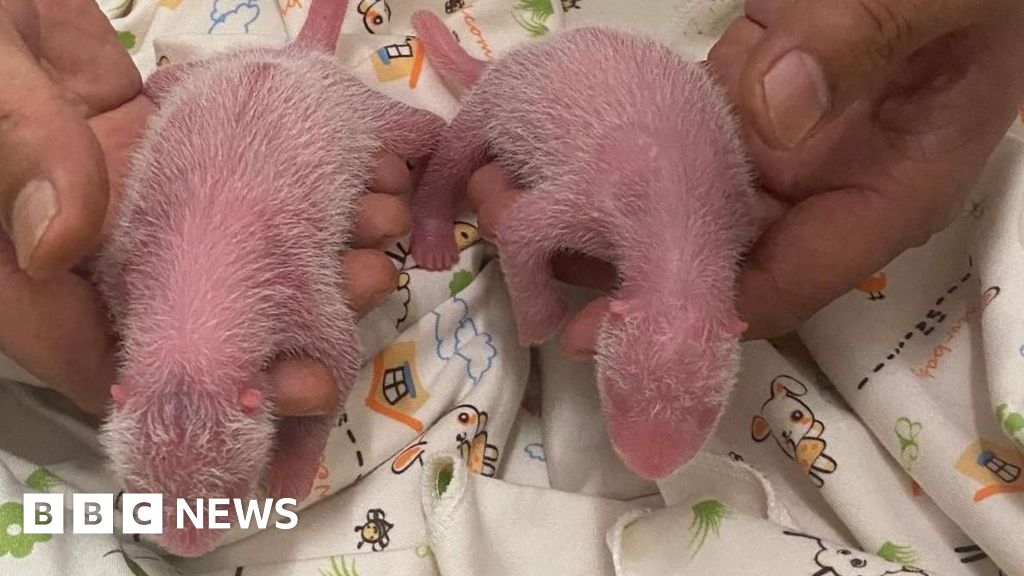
470	422
996	467
397	61
792	424
396	390
839	561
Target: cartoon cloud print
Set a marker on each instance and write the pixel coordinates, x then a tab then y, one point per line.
233	16
467	344
535	451
839	561
795	429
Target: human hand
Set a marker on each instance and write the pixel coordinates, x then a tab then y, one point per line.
71	109
870	157
872	119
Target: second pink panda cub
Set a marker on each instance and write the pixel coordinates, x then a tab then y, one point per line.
629	154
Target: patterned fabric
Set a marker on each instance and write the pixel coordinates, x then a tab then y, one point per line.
886	440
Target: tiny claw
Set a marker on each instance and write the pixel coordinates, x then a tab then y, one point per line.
433	245
432	256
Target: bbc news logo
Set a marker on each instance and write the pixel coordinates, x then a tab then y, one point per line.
143	513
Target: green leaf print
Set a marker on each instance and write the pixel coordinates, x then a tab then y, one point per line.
907	431
127	39
340	570
539	9
1012	423
42	480
533	15
460	280
424	550
707	518
13	539
133	566
897	554
444	479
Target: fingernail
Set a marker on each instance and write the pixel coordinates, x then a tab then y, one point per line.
34	209
796	95
312	411
618	307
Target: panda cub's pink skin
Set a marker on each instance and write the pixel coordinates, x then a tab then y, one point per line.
226	255
629	154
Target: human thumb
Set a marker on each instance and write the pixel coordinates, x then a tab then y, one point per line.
818	57
53	180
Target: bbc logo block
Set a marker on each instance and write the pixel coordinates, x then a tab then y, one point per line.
93	513
145	513
44	514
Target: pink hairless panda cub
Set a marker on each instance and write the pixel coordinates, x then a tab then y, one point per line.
225	256
629	154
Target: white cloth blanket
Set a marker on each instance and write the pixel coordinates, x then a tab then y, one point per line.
472	456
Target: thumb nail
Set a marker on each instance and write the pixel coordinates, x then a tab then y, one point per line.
34	209
312	411
796	96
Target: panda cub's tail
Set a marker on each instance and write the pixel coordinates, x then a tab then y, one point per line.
450	59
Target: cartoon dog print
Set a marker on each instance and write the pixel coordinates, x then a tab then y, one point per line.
376	13
481	457
795	429
837	561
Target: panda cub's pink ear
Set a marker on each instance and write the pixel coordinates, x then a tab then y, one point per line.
736	328
118	394
162	83
250	400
